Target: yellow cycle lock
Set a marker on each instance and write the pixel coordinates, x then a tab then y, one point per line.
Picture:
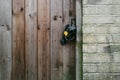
69	33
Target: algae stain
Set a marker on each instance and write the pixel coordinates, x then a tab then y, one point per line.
70	75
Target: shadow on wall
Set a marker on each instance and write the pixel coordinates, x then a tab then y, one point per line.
112	48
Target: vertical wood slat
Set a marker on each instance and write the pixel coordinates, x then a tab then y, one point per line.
44	40
57	53
5	39
79	55
69	49
72	68
18	40
56	34
66	48
31	39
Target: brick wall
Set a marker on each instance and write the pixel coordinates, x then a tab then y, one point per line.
101	39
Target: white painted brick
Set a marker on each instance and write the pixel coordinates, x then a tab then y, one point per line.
101	18
101	76
115	67
95	2
113	30
108	10
97	19
105	2
88	10
116	2
104	67
89	68
91	48
97	76
115	9
109	37
101	10
89	38
115	76
102	29
107	28
89	28
116	19
102	47
101	38
116	57
96	57
108	25
84	1
116	38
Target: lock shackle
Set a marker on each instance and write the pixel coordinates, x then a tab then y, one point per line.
73	21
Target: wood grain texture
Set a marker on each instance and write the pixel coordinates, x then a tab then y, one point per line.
18	40
31	39
72	68
5	39
69	49
44	40
66	48
56	34
36	33
79	55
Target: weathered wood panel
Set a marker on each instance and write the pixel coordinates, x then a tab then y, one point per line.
66	49
79	59
72	67
69	49
5	39
44	40
56	34
31	39
18	72
37	30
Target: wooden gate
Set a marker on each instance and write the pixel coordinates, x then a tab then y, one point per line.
31	31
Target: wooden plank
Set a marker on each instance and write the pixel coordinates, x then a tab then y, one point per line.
72	68
69	49
66	48
56	34
5	39
79	55
44	40
18	40
31	39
